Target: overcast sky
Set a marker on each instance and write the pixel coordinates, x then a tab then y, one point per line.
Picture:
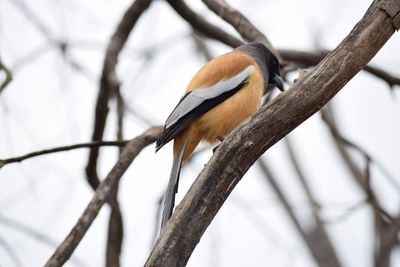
51	102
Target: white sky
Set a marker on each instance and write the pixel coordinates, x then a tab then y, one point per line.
50	104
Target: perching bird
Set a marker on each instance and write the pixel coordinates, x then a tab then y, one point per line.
222	94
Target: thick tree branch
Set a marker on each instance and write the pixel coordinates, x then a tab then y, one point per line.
271	123
109	83
103	192
316	239
120	143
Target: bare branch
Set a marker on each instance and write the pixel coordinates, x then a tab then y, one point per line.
103	192
307	59
8	77
316	239
346	213
115	224
383	220
272	122
203	26
120	143
241	24
109	83
202	47
301	58
115	232
327	116
387	77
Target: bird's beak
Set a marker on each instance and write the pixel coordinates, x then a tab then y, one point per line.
277	81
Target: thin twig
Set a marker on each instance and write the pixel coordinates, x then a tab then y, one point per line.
346	213
326	115
120	143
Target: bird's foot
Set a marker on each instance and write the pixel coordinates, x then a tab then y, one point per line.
221	139
215	148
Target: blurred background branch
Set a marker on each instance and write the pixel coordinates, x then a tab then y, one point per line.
316	210
8	76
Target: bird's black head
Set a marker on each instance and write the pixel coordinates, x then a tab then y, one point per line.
267	62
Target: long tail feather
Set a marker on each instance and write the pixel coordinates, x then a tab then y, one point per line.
172	189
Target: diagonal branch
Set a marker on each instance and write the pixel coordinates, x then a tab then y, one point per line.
241	24
109	83
203	26
383	220
103	192
262	130
316	239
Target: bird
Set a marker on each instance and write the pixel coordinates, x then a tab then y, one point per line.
222	94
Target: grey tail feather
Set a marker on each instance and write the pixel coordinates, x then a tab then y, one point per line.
172	189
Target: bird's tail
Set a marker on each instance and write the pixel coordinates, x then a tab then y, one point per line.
172	189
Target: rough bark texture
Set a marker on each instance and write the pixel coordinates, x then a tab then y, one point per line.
252	138
103	192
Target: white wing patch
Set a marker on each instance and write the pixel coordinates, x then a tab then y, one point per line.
198	96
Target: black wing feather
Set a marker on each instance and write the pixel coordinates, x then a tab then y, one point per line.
169	133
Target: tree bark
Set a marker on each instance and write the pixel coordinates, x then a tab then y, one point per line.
262	130
103	192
